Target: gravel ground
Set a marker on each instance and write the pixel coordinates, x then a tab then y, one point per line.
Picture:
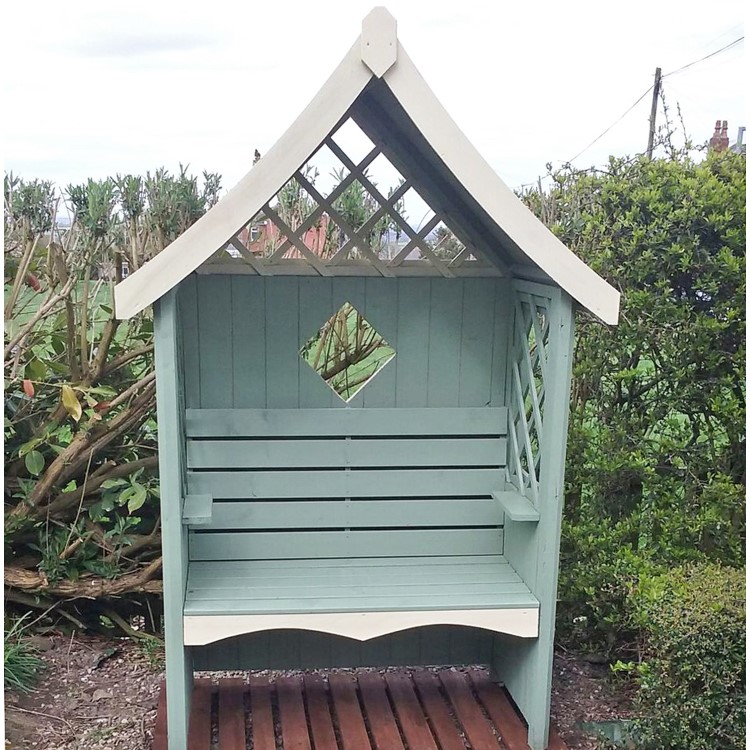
100	694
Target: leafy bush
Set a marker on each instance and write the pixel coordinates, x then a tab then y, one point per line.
656	451
81	490
692	685
22	665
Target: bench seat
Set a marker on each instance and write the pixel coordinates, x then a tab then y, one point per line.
359	598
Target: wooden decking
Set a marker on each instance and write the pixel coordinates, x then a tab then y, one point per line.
404	710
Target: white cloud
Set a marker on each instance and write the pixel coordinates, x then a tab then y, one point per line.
99	89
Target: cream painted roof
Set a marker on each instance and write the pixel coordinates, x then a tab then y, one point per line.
380	88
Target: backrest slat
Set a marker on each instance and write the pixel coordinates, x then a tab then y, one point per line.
274	423
339	452
365	482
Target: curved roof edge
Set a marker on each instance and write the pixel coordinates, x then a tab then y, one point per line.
328	107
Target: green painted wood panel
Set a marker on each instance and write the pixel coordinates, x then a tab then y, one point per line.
477	334
248	342
215	328
297	454
274	650
423	601
377	571
526	668
516	507
326	514
412	345
502	318
170	410
381	311
273	423
346	544
441	562
359	483
364	596
282	334
315	307
272	316
444	364
187	297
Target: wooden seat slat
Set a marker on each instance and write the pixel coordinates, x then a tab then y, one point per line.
261	545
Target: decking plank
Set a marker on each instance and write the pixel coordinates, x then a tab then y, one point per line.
382	722
199	736
231	715
160	727
507	722
292	714
262	716
321	724
400	712
350	721
411	716
475	726
442	723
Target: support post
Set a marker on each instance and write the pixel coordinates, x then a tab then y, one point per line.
652	118
170	411
533	549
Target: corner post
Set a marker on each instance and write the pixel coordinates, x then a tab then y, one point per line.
552	489
170	411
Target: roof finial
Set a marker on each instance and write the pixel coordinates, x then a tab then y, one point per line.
379	42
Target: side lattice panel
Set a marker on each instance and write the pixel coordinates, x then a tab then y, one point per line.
527	377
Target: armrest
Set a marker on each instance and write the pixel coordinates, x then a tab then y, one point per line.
197	510
516	506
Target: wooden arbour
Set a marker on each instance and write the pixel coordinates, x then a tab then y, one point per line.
416	520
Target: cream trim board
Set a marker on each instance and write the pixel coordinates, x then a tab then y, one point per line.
362	626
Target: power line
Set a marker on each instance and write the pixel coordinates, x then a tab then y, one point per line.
651	88
712	54
626	112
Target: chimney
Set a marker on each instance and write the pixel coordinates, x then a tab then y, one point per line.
720	139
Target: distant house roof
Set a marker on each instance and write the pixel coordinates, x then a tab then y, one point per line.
378	86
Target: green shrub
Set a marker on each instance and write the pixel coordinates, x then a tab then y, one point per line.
692	684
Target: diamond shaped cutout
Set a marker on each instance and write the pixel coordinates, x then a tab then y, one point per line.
347	352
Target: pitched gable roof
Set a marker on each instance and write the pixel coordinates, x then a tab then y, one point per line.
378	86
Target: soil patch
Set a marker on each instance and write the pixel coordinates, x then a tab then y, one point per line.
100	693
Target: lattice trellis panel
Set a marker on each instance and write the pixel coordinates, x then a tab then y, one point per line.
528	375
354	228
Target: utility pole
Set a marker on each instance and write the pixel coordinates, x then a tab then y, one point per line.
652	119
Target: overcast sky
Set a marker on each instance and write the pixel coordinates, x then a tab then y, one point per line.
93	89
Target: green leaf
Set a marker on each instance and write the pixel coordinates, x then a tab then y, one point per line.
71	403
137	498
34	463
28	447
